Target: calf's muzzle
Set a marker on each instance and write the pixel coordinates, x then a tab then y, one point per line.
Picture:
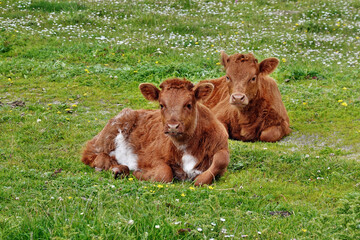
239	99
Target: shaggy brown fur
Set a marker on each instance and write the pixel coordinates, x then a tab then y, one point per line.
247	101
163	139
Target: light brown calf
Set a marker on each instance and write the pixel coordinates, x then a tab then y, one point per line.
183	139
247	101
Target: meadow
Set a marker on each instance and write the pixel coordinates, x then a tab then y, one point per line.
67	67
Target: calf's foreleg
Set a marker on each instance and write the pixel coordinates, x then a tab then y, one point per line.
218	167
159	173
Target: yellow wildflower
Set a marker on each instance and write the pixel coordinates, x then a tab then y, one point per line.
160	186
183	195
156	62
340	100
344	88
304	230
344	104
305	103
130	179
74	105
86	70
191	188
283	59
211	187
135	71
196	42
217	63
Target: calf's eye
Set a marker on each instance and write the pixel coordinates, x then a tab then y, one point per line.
161	106
253	79
188	106
227	79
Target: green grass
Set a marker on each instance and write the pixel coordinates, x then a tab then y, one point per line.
76	64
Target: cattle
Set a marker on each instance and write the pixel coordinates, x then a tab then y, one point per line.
181	140
247	100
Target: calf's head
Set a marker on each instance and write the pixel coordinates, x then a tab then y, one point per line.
177	99
243	74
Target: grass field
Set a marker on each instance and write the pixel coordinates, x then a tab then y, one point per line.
67	67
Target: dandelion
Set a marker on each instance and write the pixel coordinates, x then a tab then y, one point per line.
211	187
196	43
86	70
68	109
283	60
344	104
58	112
304	103
113	54
74	105
49	104
123	54
67	119
296	24
160	186
71	99
85	94
69	197
135	71
340	101
304	230
284	42
183	195
106	65
138	60
130	179
191	188
217	63
242	21
344	88
357	37
156	62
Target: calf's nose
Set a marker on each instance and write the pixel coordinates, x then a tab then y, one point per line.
238	97
173	126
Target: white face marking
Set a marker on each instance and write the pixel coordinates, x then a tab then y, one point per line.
189	162
124	153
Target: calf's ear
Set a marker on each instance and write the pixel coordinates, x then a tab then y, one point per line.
224	59
149	91
269	65
203	90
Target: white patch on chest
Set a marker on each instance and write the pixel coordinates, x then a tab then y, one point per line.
124	153
188	164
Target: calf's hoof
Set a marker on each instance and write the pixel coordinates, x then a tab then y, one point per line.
204	179
120	171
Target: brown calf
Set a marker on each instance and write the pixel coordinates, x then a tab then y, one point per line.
247	101
183	139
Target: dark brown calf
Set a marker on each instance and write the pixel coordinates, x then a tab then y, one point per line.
182	140
247	101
